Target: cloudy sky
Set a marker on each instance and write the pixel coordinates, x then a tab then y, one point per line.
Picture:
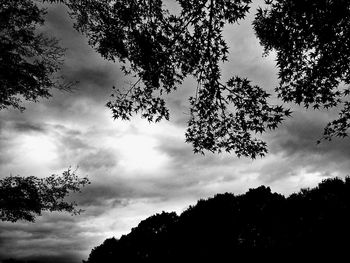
136	168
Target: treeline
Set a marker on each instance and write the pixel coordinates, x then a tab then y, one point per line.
226	227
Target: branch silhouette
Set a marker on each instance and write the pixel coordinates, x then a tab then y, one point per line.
25	198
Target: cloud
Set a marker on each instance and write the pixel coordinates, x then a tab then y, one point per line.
102	194
24	127
295	155
100	158
53	236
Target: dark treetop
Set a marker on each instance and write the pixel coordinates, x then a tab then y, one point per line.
230	227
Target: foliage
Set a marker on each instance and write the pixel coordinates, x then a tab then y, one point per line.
160	49
29	60
24	198
312	43
229	227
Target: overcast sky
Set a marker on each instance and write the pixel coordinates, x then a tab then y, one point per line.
136	168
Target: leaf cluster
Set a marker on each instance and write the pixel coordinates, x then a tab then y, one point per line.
312	43
160	49
24	198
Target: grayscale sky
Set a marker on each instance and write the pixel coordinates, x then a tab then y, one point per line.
136	168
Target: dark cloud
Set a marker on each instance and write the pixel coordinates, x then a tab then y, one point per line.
295	145
74	141
182	155
100	78
95	75
100	158
25	127
299	138
54	237
99	194
66	258
75	145
21	126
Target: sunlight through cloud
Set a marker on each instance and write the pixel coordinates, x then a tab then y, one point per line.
139	154
38	150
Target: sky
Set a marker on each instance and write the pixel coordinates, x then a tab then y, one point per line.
138	169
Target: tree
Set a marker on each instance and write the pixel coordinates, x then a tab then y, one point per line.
29	61
311	39
160	50
255	225
24	198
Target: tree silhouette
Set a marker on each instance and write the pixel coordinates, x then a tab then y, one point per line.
29	60
160	49
256	225
311	39
29	63
24	198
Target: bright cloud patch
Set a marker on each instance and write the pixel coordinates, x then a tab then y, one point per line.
139	154
37	149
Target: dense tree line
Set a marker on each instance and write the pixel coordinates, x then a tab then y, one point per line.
255	224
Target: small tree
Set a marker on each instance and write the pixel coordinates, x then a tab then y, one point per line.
24	198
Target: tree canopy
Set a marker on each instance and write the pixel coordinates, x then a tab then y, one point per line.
159	48
24	198
230	227
29	60
312	42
